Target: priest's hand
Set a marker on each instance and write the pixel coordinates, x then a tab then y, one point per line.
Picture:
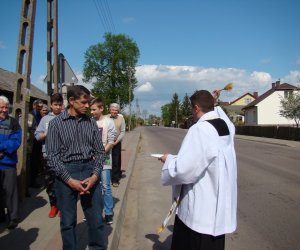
163	158
216	95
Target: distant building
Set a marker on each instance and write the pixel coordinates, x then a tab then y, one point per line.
265	109
234	109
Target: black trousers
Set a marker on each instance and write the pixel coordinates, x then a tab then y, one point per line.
49	176
9	193
116	172
35	162
185	238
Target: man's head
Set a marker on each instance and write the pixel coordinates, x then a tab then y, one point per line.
78	98
4	105
56	103
96	107
37	105
202	102
114	109
45	110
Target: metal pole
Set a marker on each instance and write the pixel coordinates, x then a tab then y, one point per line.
129	97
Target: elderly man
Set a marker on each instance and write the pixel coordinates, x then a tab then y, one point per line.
205	173
10	141
119	121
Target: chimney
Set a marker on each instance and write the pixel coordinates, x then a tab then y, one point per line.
273	85
277	84
255	94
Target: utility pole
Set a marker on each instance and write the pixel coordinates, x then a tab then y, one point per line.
23	71
52	47
129	97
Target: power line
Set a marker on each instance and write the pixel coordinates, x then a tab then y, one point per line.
110	16
104	15
100	17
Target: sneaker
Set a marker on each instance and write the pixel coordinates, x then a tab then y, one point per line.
109	219
115	184
12	224
53	212
59	214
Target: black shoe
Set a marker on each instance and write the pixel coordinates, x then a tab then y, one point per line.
2	218
35	185
109	219
12	224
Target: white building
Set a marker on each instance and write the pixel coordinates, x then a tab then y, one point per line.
265	109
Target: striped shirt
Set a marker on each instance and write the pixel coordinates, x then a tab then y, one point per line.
71	139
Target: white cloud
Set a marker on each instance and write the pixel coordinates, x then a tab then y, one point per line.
146	87
168	79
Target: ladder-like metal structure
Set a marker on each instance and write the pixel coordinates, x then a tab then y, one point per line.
23	71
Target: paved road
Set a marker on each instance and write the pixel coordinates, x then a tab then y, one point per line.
268	198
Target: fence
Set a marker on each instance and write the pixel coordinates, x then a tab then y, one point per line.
285	133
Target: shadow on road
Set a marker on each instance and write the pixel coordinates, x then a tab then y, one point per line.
161	245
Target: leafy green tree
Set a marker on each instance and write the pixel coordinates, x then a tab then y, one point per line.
290	107
166	114
175	110
186	109
111	65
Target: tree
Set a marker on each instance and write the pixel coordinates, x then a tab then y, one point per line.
290	107
166	114
186	109
112	64
175	110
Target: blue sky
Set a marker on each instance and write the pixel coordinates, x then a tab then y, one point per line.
184	45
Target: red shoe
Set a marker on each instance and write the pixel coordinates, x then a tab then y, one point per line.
53	212
59	214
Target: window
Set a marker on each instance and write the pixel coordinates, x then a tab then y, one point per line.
287	93
248	100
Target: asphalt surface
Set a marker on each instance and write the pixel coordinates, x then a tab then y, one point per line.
268	194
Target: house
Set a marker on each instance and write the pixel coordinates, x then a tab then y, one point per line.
265	109
234	108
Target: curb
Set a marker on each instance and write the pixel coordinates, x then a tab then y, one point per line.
120	207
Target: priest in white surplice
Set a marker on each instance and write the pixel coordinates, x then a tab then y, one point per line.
205	171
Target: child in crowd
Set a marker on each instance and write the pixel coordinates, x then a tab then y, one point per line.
56	105
107	129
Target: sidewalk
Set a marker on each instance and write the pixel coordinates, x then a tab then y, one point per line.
293	144
36	231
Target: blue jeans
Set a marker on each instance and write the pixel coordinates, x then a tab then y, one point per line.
91	205
107	193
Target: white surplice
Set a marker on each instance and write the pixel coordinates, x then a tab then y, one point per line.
206	168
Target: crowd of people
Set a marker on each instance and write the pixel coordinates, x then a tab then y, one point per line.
52	152
81	156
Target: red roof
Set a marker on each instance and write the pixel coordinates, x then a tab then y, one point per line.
284	86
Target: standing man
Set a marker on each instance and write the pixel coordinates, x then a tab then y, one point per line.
10	141
36	150
205	173
119	121
56	105
107	129
76	153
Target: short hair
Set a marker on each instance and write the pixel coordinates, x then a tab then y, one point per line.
98	101
4	99
57	97
203	99
45	106
37	101
77	91
114	105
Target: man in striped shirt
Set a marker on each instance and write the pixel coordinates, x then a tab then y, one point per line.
76	153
